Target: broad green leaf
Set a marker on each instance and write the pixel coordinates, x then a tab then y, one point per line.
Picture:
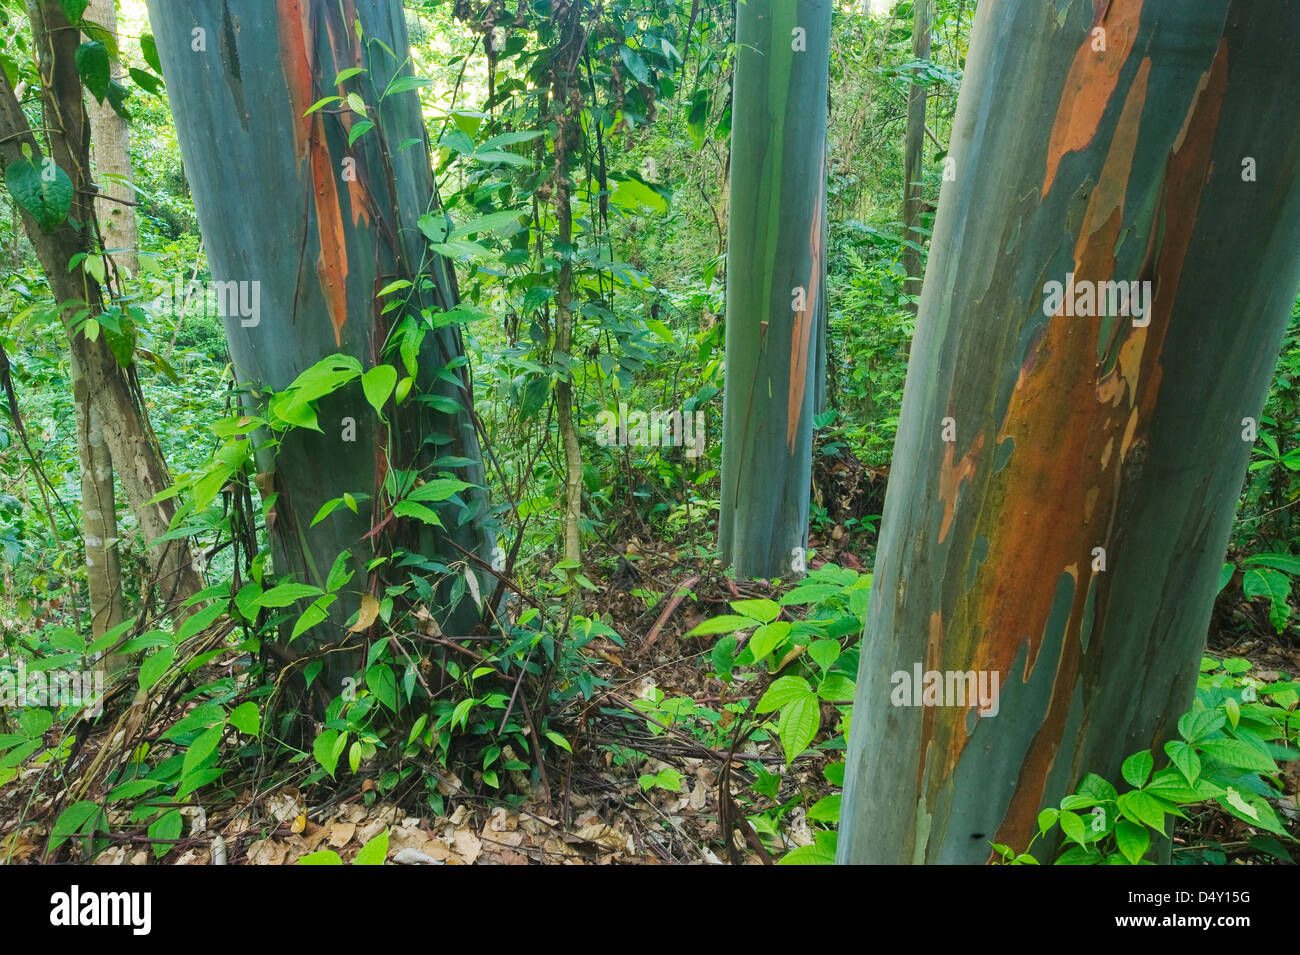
44	191
1132	840
373	852
783	691
1140	807
1185	758
204	745
1239	754
167	828
1137	769
323	857
92	63
246	718
726	623
797	725
763	611
1072	826
378	384
768	637
282	595
155	666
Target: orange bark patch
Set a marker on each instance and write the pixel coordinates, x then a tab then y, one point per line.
300	68
952	476
1091	81
1079	505
801	333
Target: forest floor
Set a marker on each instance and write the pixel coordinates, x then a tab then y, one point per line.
594	807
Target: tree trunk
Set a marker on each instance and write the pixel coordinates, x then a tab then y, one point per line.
1063	485
98	510
110	141
315	229
113	395
774	278
914	150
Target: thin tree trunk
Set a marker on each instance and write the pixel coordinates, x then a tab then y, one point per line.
1063	485
131	444
914	149
110	141
774	278
98	510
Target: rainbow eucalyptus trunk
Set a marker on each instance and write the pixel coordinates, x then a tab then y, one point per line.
776	247
1066	473
313	229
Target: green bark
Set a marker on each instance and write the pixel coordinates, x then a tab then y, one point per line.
774	277
322	227
1073	433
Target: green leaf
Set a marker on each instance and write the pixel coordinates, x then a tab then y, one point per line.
763	611
783	691
1140	807
347	74
808	855
80	816
1046	819
1072	826
1283	562
1265	582
148	48
1184	757
418	511
92	64
167	828
1238	754
1199	723
836	687
768	637
154	666
726	623
824	653
373	852
826	809
246	718
723	657
315	614
635	64
441	489
204	745
378	383
200	620
797	725
44	192
1137	769
559	741
282	595
74	10
1132	840
323	857
325	750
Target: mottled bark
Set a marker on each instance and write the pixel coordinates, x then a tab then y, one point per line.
775	274
1063	484
315	228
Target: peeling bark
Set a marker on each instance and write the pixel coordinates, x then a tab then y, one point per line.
1069	534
